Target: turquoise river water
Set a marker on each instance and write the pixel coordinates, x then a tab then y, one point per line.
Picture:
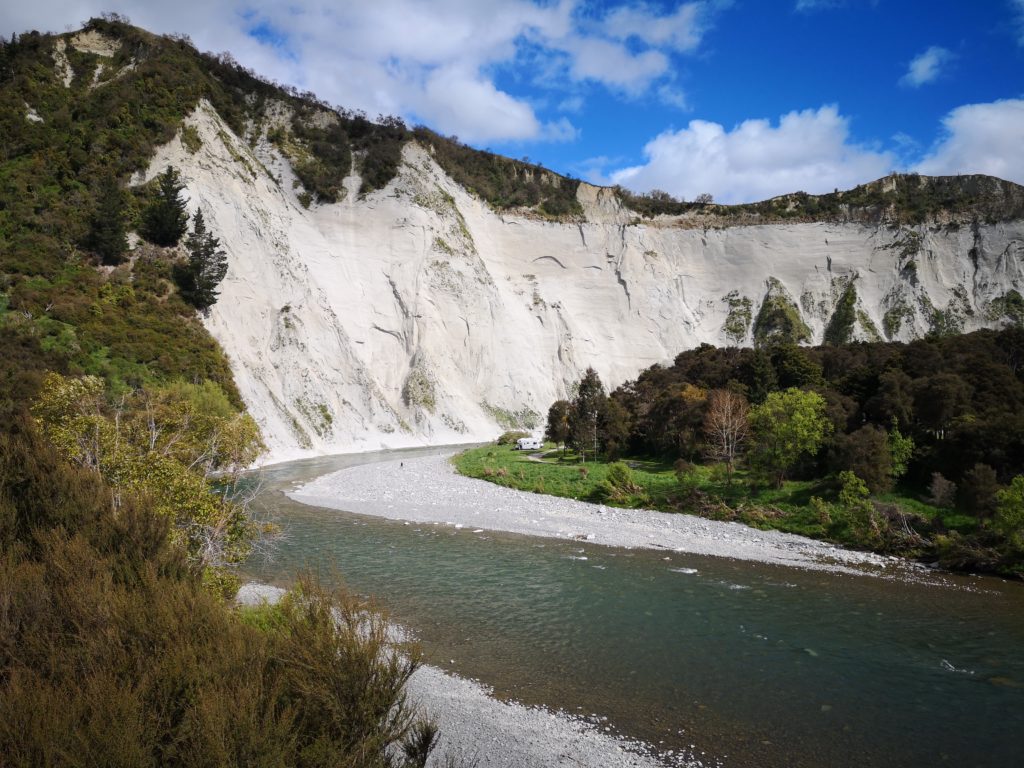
753	665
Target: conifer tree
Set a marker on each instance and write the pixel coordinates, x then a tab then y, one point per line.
164	220
107	227
584	412
206	267
763	379
557	429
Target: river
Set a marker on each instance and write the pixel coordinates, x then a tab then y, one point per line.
750	664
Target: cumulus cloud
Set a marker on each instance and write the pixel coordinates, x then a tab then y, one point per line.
926	67
614	65
812	151
457	101
672	97
435	62
980	138
571	104
809	150
681	30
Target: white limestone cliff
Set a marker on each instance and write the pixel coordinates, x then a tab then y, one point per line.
416	314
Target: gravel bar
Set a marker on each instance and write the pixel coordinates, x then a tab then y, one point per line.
429	490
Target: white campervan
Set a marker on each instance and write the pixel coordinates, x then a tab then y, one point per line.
529	444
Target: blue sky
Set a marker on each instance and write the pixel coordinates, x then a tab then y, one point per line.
741	98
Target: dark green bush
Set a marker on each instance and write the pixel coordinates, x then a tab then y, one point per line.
510	437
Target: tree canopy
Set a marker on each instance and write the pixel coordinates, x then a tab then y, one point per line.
557	427
788	425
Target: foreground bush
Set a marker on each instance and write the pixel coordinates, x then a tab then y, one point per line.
112	653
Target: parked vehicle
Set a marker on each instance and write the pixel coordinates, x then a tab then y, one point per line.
529	444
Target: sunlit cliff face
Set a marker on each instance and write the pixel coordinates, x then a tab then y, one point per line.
416	314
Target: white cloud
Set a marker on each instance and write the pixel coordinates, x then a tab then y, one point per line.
926	67
593	169
435	62
681	30
980	138
812	151
809	151
560	130
457	101
572	104
672	97
614	65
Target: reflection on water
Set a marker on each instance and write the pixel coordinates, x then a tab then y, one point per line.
755	664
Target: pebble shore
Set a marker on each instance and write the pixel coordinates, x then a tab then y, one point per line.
429	490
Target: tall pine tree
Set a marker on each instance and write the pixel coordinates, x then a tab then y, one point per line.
206	267
164	220
584	412
107	227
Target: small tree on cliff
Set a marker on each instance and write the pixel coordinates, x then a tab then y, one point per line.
164	220
107	226
206	267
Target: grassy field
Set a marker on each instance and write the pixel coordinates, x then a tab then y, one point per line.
703	490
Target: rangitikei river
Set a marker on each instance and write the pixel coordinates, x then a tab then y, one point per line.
754	665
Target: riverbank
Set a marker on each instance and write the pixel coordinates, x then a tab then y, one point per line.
429	490
478	730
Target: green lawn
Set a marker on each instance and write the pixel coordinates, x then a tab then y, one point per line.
503	465
704	490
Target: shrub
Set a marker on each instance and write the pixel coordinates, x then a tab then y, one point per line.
1009	519
682	468
111	650
976	494
866	454
941	492
510	437
501	181
619	484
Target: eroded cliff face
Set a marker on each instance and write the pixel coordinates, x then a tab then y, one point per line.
416	314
